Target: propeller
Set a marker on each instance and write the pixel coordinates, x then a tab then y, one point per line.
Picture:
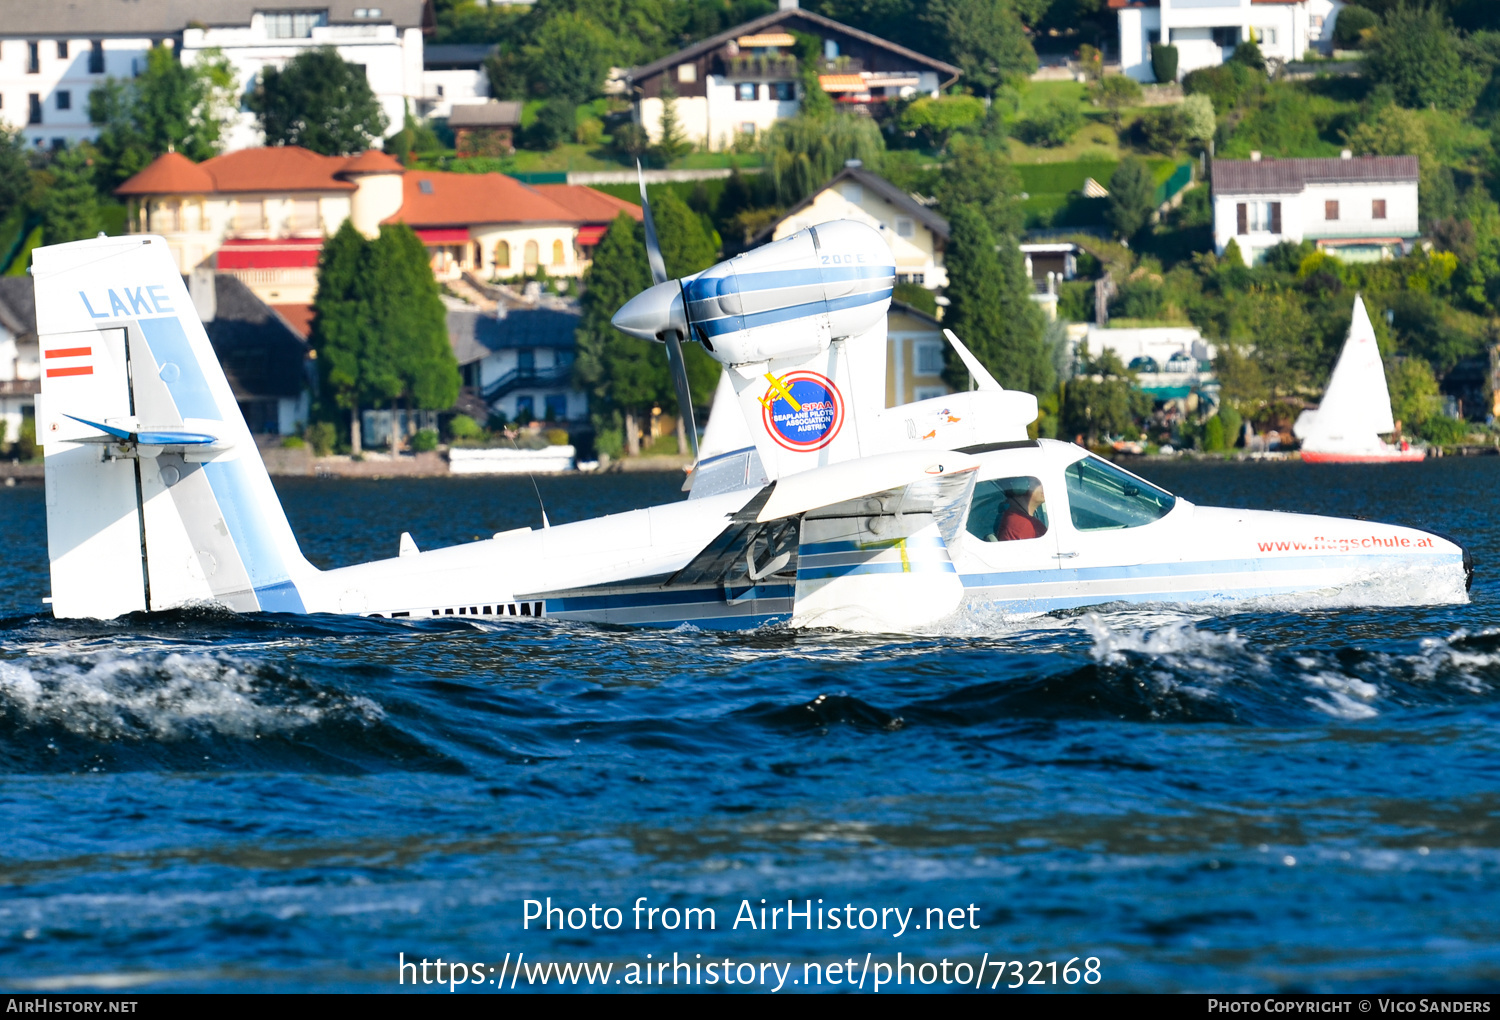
672	335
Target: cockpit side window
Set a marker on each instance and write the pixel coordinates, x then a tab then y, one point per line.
1008	509
1101	497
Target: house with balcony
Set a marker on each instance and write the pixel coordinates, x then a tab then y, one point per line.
1206	32
743	80
519	361
917	235
53	55
1360	208
453	73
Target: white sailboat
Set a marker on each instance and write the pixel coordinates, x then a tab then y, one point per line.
1356	408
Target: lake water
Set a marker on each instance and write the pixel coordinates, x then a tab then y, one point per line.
1274	799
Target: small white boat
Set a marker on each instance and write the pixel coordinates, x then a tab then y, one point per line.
1356	409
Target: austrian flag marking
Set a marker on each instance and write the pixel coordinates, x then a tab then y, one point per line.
75	361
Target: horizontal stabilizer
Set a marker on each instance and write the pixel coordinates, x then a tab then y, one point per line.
153	438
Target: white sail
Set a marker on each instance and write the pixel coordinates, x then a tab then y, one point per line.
1356	407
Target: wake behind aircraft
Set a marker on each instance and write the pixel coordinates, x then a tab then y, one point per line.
817	505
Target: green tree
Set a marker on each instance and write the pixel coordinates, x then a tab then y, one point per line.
413	357
343	319
1414	392
1115	93
1131	197
984	37
1348	30
1053	124
937	119
15	174
1419	57
570	56
1198	121
816	104
70	207
671	144
990	307
1164	62
803	153
1101	399
624	376
169	106
1289	349
318	101
983	178
1163	128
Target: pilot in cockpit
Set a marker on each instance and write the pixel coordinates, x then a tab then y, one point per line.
1023	515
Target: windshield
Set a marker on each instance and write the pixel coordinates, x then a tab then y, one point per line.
1102	497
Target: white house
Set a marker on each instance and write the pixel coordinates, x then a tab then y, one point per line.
1362	208
917	235
1206	32
453	73
52	55
743	80
1170	362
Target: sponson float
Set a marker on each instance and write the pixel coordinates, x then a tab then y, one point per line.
816	504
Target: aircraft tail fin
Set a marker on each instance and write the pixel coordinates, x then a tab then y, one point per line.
156	493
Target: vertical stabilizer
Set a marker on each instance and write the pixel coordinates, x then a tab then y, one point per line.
156	493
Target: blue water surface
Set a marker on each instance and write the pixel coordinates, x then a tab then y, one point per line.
1276	799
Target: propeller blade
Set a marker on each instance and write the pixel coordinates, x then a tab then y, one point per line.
653	246
684	391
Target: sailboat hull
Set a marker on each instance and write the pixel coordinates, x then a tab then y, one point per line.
1390	457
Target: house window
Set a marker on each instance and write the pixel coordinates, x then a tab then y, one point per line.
1377	209
557	407
853	193
745	92
249	214
905	227
747	128
687	72
525	408
33	58
532	255
783	91
526	361
1330	210
34	113
64	99
1267	37
929	359
1153	37
557	253
1225	38
367	12
502	255
62	49
293	24
830	49
304	215
1258	216
96	57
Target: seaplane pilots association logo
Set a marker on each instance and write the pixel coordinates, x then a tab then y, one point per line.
802	410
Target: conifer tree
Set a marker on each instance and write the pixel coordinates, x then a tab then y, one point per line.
342	319
991	309
412	359
70	207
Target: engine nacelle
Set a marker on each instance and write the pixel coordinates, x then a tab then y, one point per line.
788	299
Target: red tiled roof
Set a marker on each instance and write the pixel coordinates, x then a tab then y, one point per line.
169	173
1286	176
451	200
587	204
299	317
274	168
372	161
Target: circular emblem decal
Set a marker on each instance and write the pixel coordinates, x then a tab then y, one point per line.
803	411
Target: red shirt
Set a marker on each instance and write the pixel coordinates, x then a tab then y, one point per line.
1015	525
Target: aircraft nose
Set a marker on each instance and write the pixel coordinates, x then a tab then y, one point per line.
653	312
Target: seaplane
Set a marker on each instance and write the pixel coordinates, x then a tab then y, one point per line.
1356	408
812	504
